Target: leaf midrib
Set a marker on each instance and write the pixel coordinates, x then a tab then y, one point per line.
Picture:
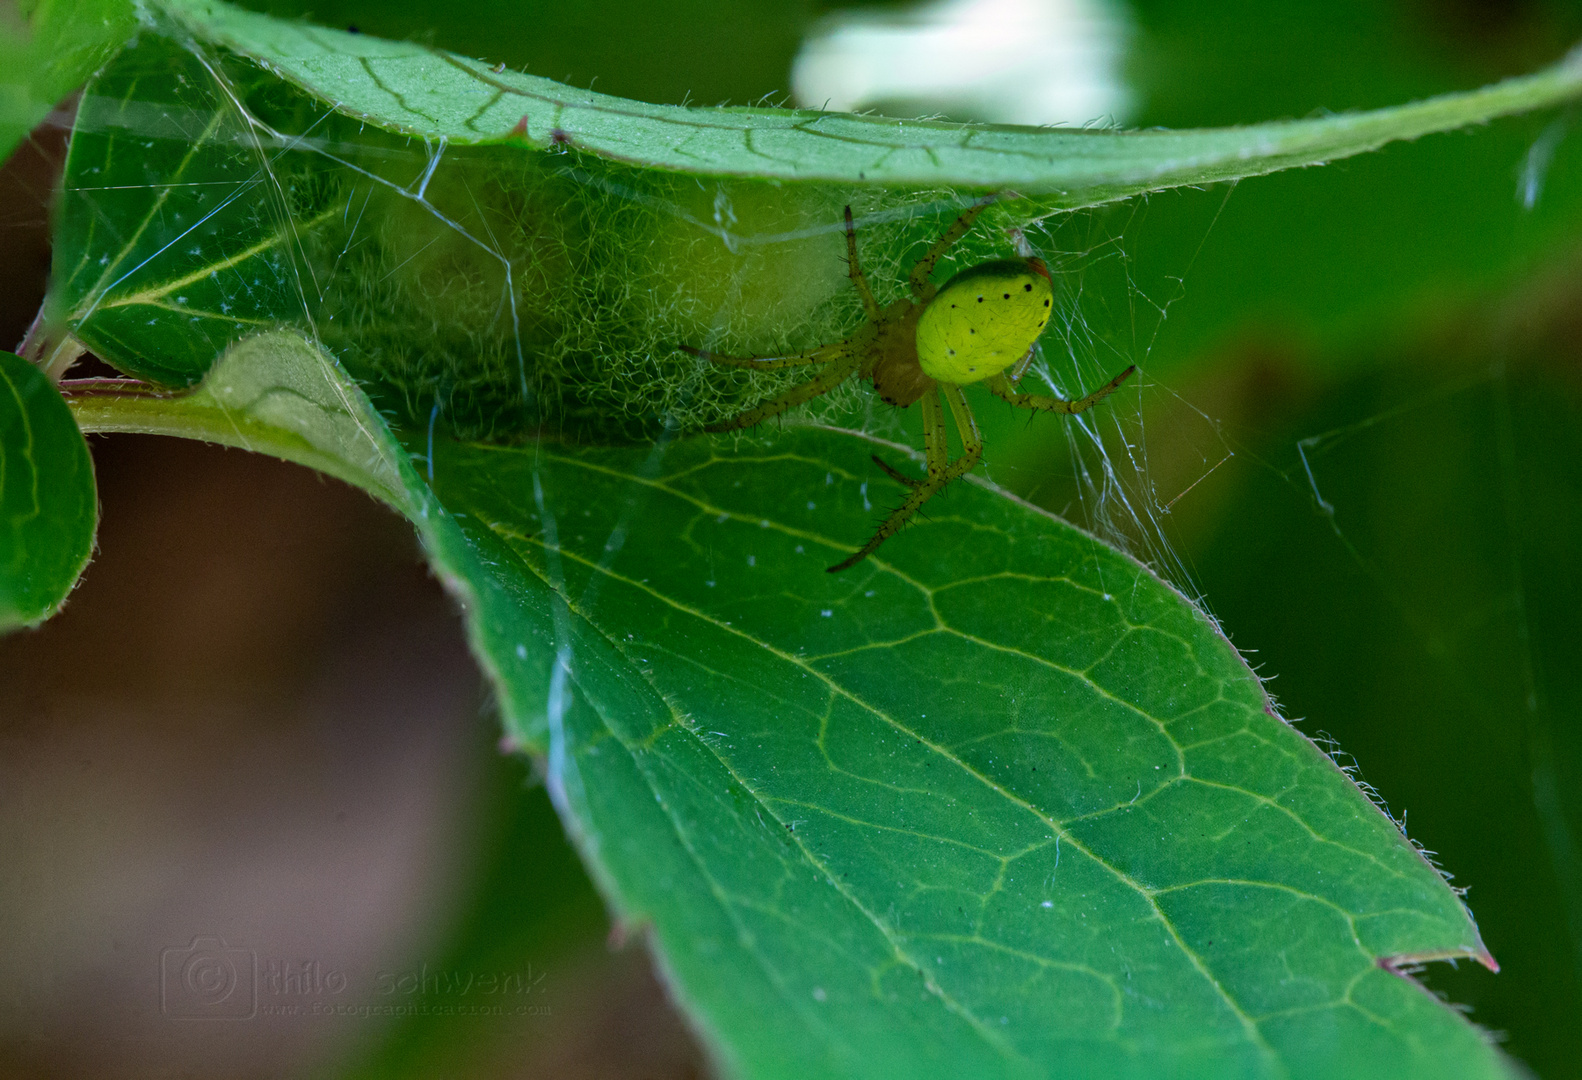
677	723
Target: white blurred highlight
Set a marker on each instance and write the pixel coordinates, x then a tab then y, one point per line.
1004	61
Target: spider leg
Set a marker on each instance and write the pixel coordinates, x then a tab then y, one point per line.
822	354
832	376
918	278
1000	386
1020	367
941	470
870	306
895	474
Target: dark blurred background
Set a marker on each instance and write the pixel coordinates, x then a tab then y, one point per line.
1359	442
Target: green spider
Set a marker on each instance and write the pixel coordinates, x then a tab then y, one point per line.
984	320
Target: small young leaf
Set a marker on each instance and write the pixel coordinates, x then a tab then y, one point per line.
48	505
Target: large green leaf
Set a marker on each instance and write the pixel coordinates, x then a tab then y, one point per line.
48	505
438	95
1000	803
47	49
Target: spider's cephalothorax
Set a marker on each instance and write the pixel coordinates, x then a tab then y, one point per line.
982	322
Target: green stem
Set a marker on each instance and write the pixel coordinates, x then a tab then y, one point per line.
112	406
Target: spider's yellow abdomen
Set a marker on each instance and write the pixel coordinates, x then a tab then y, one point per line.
984	320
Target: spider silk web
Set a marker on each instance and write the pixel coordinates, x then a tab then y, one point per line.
498	294
502	295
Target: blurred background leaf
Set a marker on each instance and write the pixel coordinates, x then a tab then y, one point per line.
47	49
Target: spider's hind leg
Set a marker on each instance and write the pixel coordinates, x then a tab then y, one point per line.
941	470
1001	387
896	474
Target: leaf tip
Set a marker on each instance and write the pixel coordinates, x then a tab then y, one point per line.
1406	964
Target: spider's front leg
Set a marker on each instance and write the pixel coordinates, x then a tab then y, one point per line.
941	470
844	358
842	365
870	306
821	355
918	278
